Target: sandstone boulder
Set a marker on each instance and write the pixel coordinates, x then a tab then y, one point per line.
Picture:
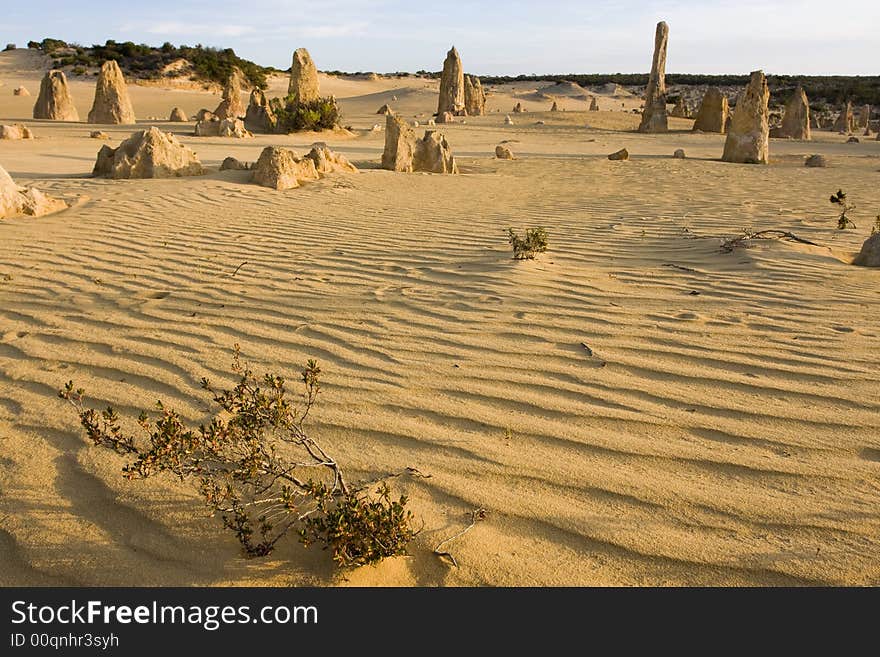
99	134
451	85
260	117
21	91
205	115
474	98
148	154
400	143
178	116
816	161
508	120
215	127
231	106
54	101
748	137
594	104
714	112
869	256
679	154
433	154
303	87
852	140
111	104
503	152
280	168
15	131
518	108
233	164
326	161
385	109
554	107
622	154
445	117
796	122
865	116
654	117
17	201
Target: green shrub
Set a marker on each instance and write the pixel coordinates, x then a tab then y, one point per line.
527	248
258	469
320	114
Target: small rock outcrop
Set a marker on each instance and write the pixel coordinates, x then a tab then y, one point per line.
21	91
680	110
99	134
594	104
326	161
260	117
112	104
865	116
748	137
796	122
503	152
508	120
15	131
474	98
622	154
234	164
433	154
385	109
54	101
654	117
148	154
869	256
714	112
679	154
518	108
178	116
445	117
18	201
399	144
845	122
231	106
281	168
816	160
215	127
303	86
451	85
554	107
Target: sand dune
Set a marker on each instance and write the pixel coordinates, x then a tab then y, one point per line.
724	431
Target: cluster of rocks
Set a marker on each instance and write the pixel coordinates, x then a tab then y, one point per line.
18	201
211	125
405	152
15	131
148	154
259	116
282	168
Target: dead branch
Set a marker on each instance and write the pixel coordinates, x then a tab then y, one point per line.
476	516
728	245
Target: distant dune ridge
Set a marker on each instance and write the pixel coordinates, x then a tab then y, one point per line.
635	406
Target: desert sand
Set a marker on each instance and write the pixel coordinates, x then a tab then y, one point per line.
724	431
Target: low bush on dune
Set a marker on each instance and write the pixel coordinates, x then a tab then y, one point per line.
843	221
320	114
526	248
258	469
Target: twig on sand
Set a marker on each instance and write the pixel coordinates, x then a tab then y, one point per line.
239	267
476	516
728	245
680	268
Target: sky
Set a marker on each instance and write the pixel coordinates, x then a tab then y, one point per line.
494	37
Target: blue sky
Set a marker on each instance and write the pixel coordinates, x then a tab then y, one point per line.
493	37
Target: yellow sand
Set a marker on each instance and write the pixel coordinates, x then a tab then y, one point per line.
731	436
